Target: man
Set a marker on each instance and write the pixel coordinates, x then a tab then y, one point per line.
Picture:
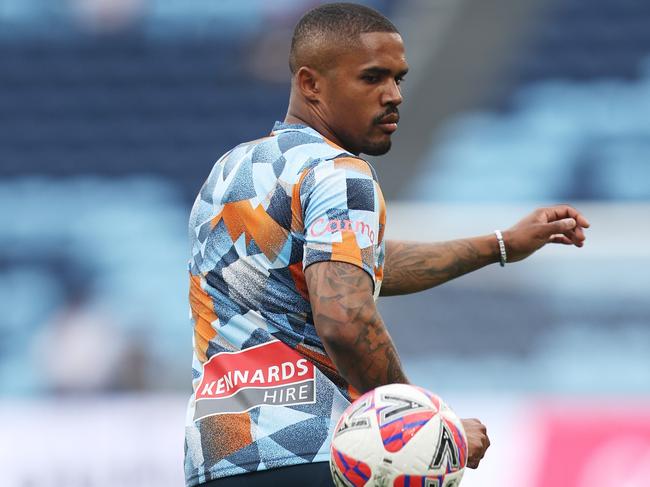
288	256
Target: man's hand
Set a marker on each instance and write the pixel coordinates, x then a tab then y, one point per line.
477	441
556	224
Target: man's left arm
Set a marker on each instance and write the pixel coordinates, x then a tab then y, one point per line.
410	267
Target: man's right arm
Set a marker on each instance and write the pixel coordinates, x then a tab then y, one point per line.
356	339
350	327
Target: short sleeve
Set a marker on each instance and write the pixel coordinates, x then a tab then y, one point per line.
341	206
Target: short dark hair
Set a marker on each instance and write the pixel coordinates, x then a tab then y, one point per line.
335	22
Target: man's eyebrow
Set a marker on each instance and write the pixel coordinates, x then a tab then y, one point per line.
376	70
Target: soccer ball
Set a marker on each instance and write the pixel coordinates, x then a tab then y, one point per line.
399	436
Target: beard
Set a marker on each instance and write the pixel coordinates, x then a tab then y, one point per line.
370	144
381	147
377	148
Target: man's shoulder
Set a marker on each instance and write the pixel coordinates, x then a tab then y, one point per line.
345	164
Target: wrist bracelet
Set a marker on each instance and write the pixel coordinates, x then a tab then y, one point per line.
502	248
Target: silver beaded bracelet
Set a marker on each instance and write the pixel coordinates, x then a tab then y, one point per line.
502	248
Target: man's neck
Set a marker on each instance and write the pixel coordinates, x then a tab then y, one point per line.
311	120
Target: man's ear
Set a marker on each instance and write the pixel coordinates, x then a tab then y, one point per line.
309	83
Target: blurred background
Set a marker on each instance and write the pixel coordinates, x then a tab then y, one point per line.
112	113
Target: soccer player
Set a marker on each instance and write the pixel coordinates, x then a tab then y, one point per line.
289	255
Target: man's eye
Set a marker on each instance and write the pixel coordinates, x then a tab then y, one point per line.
371	79
399	80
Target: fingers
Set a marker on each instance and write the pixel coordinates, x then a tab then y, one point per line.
560	239
569	228
474	460
559	212
577	236
477	441
563	226
579	233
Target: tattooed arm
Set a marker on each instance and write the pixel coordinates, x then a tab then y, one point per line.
411	267
350	326
357	341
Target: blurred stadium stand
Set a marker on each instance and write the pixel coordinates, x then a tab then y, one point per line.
100	257
123	106
164	94
568	120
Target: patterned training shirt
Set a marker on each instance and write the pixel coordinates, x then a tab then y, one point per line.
266	395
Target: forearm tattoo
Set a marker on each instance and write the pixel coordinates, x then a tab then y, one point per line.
410	267
353	332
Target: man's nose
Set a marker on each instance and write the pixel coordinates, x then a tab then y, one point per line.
393	94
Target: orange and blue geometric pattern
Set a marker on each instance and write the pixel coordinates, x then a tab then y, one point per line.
266	394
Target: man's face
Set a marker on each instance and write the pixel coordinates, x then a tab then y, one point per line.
362	93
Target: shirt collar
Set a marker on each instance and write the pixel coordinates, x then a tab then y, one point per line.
280	126
286	127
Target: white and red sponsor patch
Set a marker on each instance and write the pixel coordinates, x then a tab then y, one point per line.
268	374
